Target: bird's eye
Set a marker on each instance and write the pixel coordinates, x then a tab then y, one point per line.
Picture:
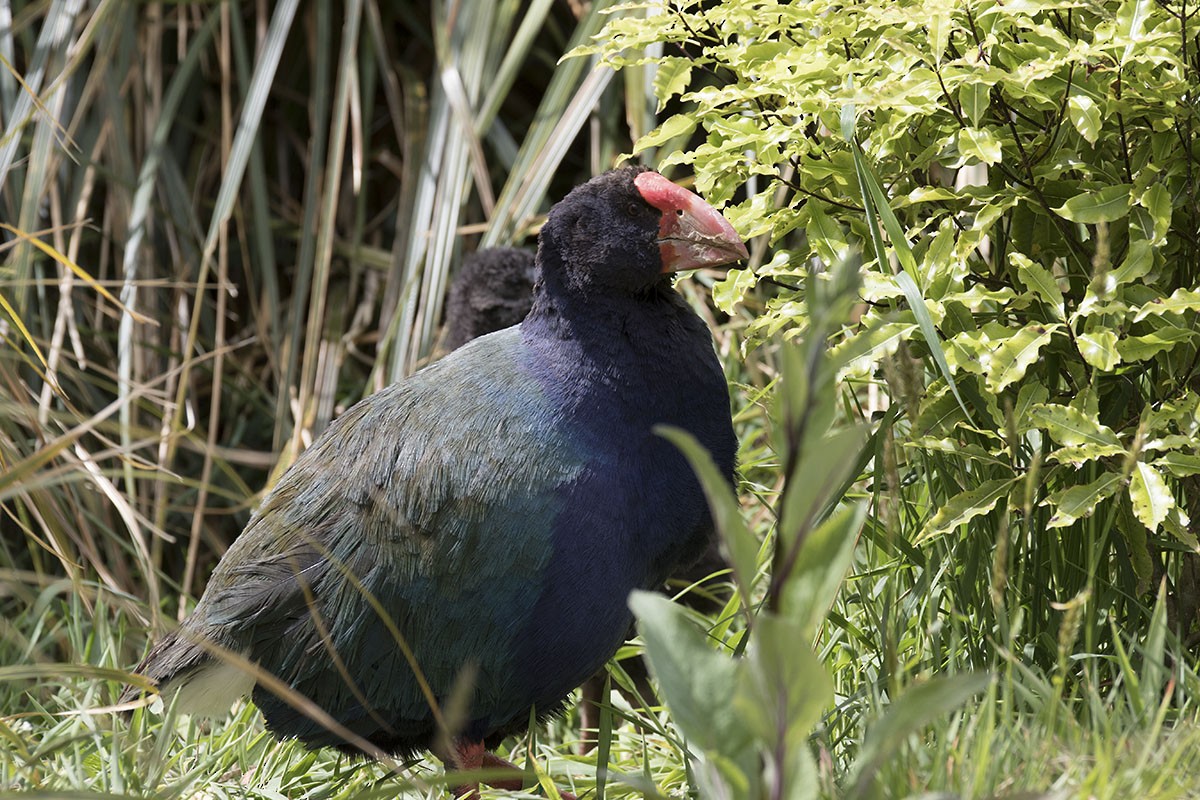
679	212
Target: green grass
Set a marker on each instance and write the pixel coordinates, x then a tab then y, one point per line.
281	259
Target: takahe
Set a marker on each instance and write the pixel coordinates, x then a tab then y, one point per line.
492	290
467	538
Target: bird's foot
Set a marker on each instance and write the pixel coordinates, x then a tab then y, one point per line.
473	756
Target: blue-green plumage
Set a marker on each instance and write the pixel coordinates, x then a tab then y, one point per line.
492	511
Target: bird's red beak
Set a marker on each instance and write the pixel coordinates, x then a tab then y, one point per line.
692	233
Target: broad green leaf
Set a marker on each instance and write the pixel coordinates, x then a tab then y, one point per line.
1085	116
1078	455
740	544
1038	280
1137	262
974	98
784	687
1007	363
1030	394
672	127
1108	204
965	506
980	144
1179	525
913	710
1181	465
826	237
1072	427
1157	200
1136	539
1080	501
1099	348
671	78
731	290
821	567
697	682
1150	496
1139	348
1181	300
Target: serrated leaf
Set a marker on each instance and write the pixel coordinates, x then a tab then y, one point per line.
965	506
1151	498
1181	465
1071	427
1099	348
677	125
1080	501
730	290
1040	281
1180	301
1085	116
1139	348
671	79
1008	362
1077	455
1108	204
980	144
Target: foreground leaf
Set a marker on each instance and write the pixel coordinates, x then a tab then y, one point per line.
965	506
1151	498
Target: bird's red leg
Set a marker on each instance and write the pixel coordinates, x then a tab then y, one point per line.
474	756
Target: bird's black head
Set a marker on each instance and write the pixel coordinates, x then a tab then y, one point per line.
620	232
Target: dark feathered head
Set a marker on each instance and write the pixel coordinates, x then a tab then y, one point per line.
622	230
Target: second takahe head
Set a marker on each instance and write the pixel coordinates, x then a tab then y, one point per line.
478	526
492	290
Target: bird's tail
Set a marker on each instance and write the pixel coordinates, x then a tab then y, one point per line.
185	664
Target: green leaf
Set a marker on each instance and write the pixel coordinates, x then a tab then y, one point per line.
1078	455
875	200
1140	348
1080	501
1108	204
1008	361
671	78
1085	116
677	125
1181	300
731	290
1072	427
740	544
1099	348
965	506
980	144
1038	280
1151	498
697	682
912	711
974	98
1181	465
784	688
821	567
1157	200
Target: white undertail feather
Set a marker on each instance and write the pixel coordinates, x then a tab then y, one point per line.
209	691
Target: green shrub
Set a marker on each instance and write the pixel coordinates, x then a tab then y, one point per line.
1034	311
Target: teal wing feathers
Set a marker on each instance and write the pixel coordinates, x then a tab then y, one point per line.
433	499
